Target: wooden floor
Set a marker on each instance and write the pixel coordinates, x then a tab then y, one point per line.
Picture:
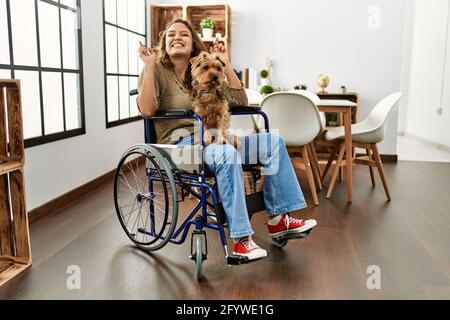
408	239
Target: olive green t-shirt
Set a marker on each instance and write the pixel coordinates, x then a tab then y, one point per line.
171	94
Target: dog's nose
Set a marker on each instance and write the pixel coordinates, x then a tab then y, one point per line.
214	78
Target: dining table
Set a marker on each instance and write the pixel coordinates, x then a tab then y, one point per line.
344	109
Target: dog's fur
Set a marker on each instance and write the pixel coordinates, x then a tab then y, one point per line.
208	83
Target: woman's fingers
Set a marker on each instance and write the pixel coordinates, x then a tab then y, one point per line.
144	51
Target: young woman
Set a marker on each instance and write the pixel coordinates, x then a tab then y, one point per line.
164	83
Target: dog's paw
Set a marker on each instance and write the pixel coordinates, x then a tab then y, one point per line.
234	141
237	144
221	140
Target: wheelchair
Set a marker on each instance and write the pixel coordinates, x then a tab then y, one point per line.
149	186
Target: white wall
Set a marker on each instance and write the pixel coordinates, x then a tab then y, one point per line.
308	37
430	73
56	168
406	65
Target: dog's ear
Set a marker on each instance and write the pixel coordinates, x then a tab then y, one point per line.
193	61
193	93
196	60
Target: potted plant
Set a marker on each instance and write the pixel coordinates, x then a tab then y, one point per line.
264	77
331	119
265	90
207	26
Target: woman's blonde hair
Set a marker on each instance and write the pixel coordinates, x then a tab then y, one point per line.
197	47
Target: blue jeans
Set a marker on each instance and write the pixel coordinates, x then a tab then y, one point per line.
282	192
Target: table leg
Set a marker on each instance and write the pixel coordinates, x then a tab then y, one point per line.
341	122
348	152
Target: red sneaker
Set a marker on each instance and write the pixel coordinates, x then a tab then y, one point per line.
287	224
248	248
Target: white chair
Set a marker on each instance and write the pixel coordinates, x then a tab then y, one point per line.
247	125
254	97
365	134
315	98
298	120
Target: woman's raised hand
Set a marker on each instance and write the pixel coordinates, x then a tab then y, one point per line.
219	49
147	55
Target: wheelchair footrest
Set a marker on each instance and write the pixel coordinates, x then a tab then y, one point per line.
295	235
234	260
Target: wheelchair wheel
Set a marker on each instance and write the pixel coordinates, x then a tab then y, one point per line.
280	242
145	197
198	257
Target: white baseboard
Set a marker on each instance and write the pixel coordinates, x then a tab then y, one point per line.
426	141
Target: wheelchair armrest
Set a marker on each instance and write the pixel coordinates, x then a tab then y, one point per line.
174	112
252	111
244	109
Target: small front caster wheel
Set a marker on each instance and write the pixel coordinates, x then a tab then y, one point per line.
198	257
280	242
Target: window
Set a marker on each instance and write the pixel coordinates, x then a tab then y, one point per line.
41	46
124	27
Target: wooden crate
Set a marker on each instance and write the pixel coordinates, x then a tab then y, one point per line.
221	14
161	15
15	253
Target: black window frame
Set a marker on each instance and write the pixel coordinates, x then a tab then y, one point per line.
43	138
112	124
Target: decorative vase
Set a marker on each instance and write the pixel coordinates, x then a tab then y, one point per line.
207	33
264	82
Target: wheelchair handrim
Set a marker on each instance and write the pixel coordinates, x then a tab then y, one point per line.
149	153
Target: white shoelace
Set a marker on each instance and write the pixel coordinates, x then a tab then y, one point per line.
249	244
290	220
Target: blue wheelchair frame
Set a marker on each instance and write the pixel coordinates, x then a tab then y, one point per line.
187	181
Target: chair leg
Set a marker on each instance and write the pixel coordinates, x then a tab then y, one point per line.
331	159
381	171
309	174
247	184
372	177
315	165
337	169
316	159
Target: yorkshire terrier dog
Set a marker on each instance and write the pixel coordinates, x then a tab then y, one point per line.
208	83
